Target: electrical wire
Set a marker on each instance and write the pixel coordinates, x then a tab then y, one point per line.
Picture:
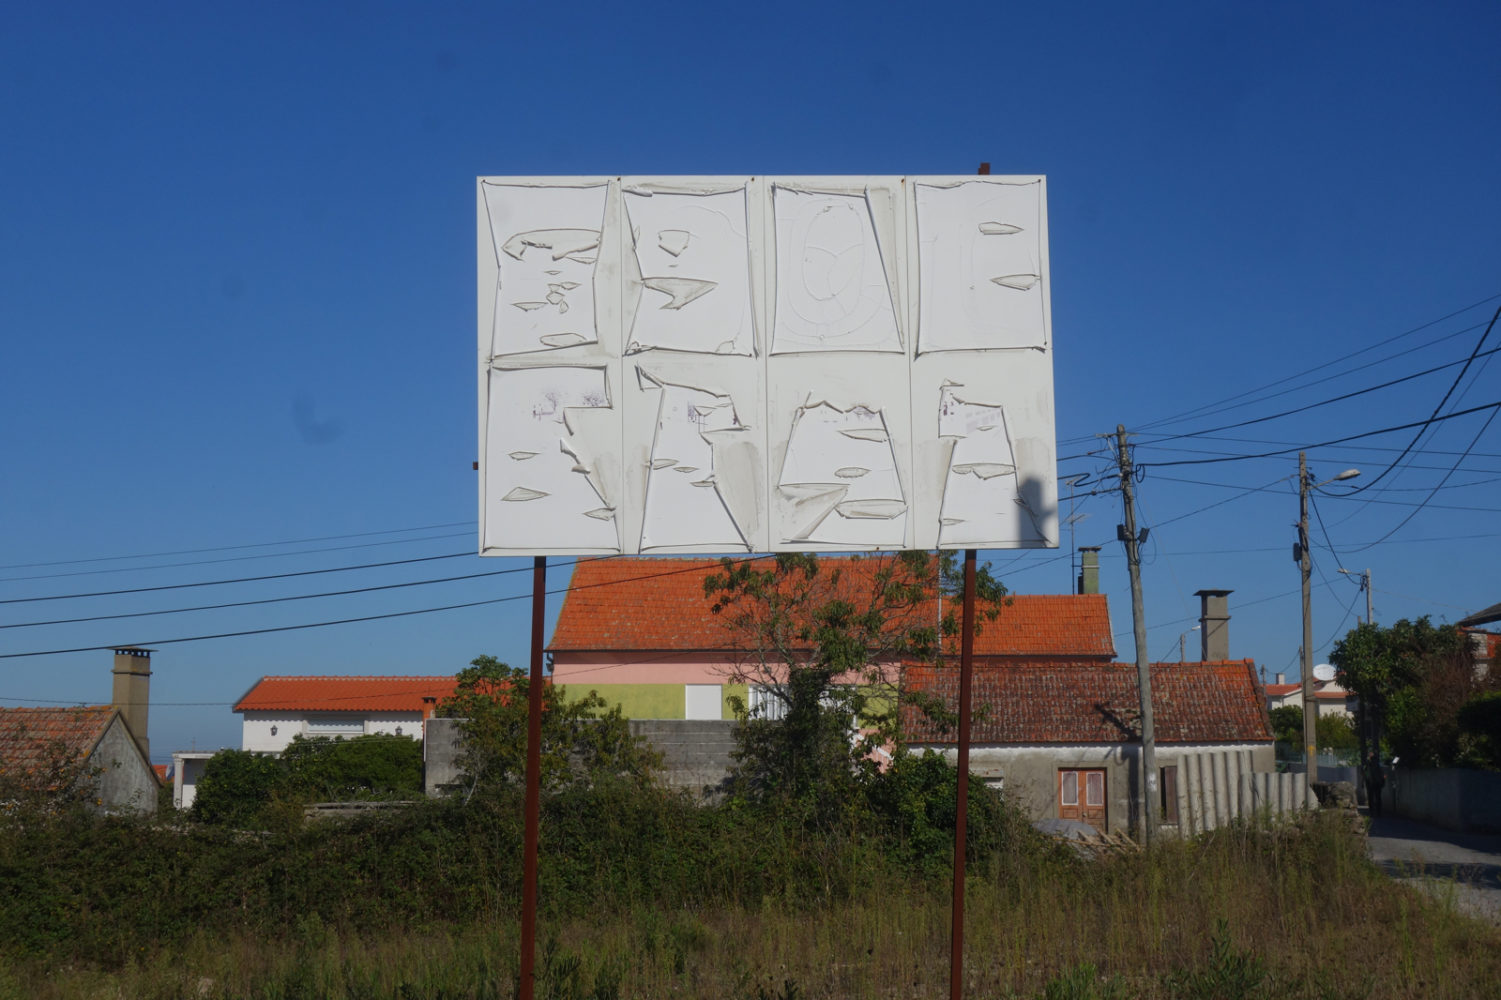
231	559
1323	402
1425	502
369	618
267	600
1436	410
233	548
1219	405
1324	444
242	579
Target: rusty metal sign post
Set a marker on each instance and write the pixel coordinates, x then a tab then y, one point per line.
961	810
533	783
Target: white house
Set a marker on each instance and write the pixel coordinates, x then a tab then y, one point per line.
276	709
1330	698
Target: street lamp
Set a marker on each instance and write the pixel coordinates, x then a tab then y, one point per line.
1181	637
1365	585
1306	485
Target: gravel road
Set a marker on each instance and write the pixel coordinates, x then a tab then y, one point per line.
1436	860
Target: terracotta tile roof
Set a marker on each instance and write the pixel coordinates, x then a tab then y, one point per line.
343	694
659	604
1282	690
1030	703
32	737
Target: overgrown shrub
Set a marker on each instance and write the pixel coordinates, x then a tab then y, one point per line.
248	790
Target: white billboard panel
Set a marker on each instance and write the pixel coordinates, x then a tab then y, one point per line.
753	364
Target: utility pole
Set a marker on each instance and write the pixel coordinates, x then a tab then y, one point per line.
1127	533
1306	485
1305	566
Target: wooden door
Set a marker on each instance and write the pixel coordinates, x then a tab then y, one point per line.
1081	796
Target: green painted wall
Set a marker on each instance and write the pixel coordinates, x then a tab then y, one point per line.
640	701
654	701
728	691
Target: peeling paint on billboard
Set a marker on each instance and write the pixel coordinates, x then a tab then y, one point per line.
753	364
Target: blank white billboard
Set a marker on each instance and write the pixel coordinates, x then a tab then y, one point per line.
762	364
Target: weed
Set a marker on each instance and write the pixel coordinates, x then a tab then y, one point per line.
1230	974
1083	982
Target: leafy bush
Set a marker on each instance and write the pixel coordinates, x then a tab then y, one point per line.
248	790
584	741
1480	728
236	788
915	800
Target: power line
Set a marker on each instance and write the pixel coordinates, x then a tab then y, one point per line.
368	618
228	559
1436	410
232	548
1332	441
1214	407
268	600
1424	503
1324	402
243	579
403	614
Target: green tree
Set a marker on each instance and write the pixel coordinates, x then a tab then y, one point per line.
237	788
1412	678
584	740
1287	725
1332	732
377	766
1480	729
826	640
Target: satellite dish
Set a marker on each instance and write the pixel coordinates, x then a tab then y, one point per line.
1323	672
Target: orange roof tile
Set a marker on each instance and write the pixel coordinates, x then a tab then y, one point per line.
31	738
344	694
1280	690
659	604
1028	703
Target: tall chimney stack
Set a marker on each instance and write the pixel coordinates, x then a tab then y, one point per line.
133	692
1214	624
1089	569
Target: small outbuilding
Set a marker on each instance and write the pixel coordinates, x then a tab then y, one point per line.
1064	743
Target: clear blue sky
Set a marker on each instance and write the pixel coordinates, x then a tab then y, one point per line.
237	293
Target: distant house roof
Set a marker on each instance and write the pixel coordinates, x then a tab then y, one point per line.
1490	614
1322	691
659	604
32	738
344	694
1031	703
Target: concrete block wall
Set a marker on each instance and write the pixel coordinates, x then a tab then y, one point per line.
442	742
695	752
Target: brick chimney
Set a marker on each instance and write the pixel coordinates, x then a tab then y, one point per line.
133	692
1089	569
1214	624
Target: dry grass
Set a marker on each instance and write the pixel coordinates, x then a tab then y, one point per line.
1300	914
